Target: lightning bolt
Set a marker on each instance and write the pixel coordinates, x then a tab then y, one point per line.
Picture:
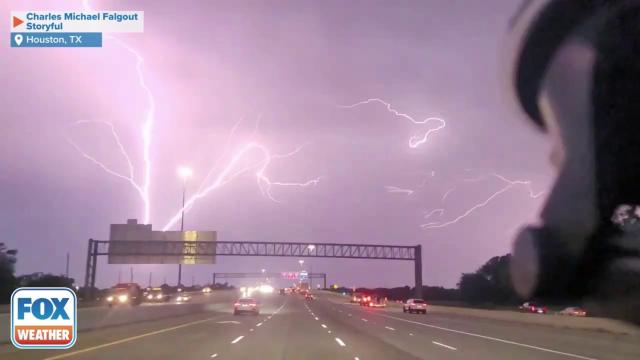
397	190
146	129
415	140
231	171
432	212
509	184
129	178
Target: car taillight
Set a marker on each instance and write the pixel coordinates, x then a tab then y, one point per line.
236	304
252	304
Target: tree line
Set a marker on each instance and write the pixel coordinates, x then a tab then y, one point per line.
489	285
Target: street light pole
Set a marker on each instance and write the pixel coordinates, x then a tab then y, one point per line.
184	173
184	195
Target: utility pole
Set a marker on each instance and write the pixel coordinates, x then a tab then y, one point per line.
150	278
66	272
131	274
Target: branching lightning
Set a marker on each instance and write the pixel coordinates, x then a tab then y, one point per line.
230	172
509	184
142	188
415	140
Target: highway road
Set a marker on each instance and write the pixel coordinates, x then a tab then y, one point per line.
329	328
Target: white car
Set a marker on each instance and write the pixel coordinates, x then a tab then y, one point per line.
415	306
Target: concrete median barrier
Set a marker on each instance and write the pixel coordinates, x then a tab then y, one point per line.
102	316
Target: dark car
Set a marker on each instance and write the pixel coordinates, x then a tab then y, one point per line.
124	294
532	307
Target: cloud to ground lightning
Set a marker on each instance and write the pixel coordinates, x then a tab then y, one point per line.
231	171
142	187
415	140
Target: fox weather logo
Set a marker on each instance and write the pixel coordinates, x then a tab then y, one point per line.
43	318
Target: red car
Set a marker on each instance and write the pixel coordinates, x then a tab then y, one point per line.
246	305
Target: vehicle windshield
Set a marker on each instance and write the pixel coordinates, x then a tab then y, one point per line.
320	179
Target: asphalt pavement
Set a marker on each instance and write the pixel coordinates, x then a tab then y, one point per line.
290	327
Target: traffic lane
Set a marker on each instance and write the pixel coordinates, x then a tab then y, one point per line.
593	344
414	333
297	333
93	338
417	343
157	338
199	340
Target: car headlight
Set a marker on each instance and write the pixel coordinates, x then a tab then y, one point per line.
158	297
179	298
150	297
123	298
109	298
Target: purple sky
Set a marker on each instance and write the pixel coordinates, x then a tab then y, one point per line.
290	64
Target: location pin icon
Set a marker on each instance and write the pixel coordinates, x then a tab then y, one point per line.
18	39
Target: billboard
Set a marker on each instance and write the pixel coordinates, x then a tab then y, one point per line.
134	243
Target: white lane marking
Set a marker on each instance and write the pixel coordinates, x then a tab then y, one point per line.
491	338
269	317
389	328
410	334
329	332
340	342
365	320
214	355
324	326
237	339
62	356
316	318
349	314
356	358
258	324
228	322
250	329
444	346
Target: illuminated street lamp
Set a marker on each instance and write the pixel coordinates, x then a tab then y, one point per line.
311	247
300	262
185	173
263	270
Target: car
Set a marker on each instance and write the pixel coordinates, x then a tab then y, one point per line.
246	305
415	306
377	301
532	307
356	298
206	290
309	296
124	294
156	295
573	311
182	298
